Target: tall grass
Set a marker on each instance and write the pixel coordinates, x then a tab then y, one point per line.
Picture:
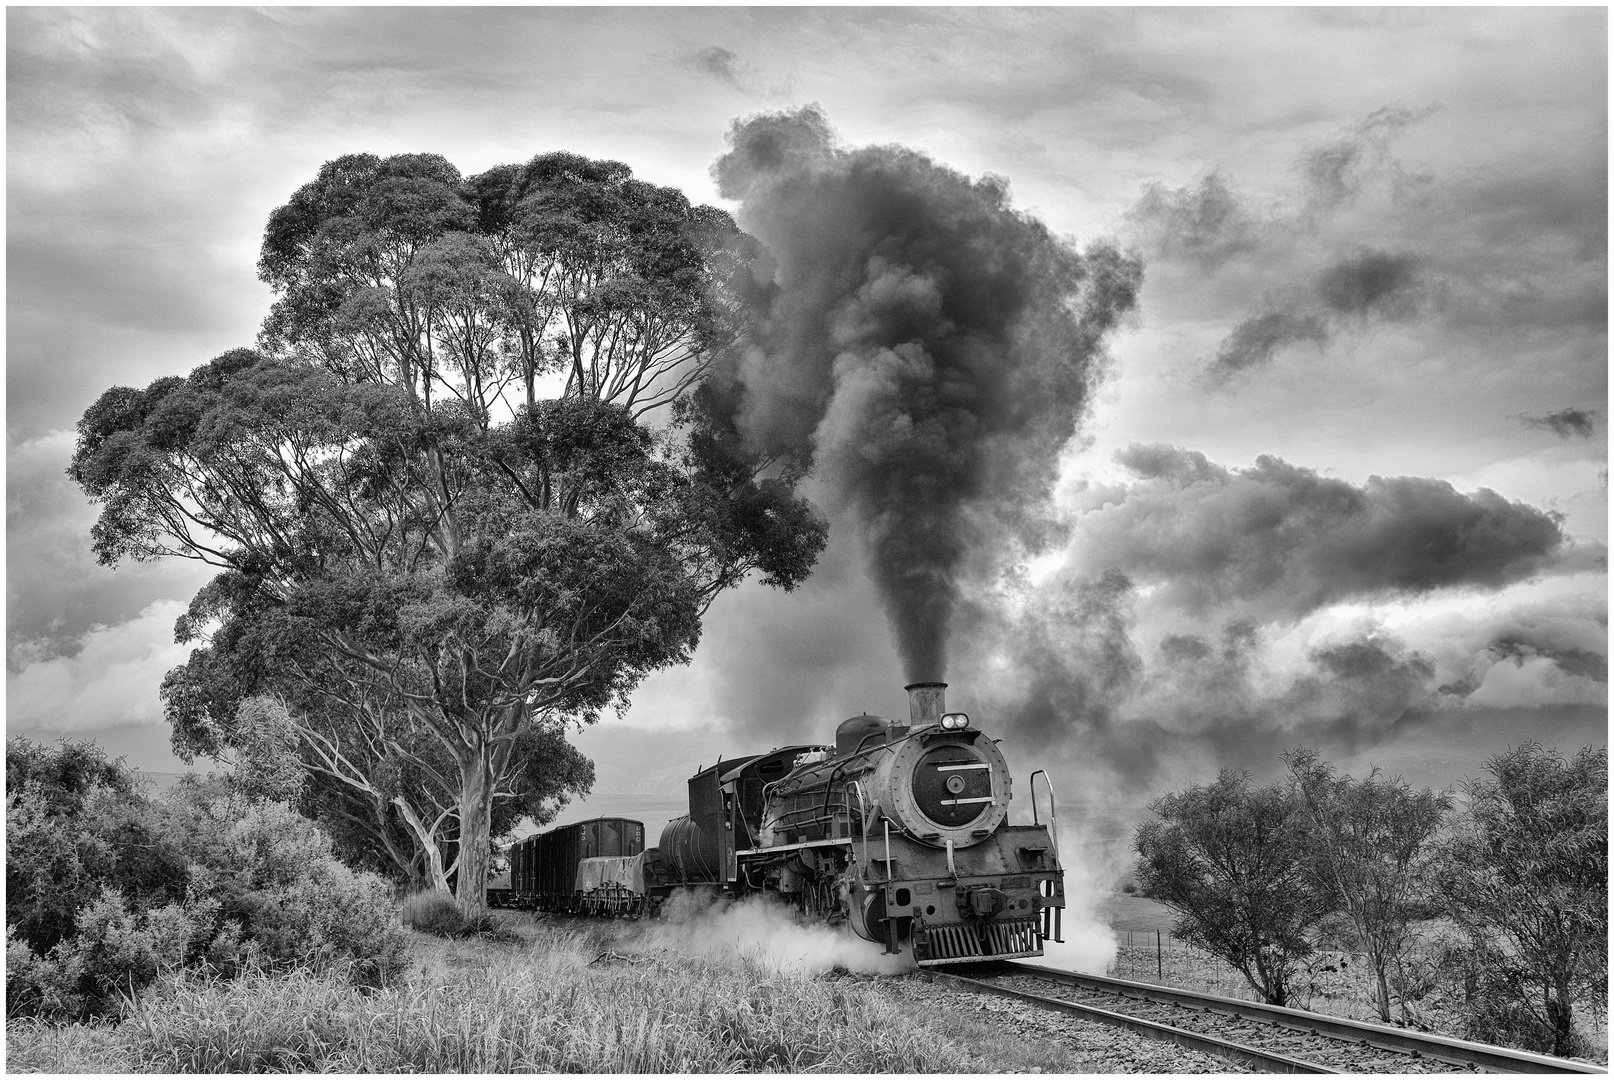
547	1008
45	1047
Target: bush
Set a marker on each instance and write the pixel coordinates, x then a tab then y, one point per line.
39	985
277	879
77	824
434	912
330	915
116	955
101	898
53	866
116	952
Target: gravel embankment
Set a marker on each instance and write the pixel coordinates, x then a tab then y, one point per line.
1073	1045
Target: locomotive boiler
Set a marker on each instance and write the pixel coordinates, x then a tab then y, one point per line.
899	830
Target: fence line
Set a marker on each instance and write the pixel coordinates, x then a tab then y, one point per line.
1137	939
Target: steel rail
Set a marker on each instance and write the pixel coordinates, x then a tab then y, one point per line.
1380	1036
1264	1060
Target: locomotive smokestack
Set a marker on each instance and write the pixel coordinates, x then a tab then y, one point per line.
926	700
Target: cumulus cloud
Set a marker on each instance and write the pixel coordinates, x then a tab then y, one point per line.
1368	283
113	679
1208	615
1277	540
1093	674
1067	667
1211	222
55	590
1363	243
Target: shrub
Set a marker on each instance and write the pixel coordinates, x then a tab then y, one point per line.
434	912
116	954
179	933
54	866
37	985
101	898
76	824
283	898
329	915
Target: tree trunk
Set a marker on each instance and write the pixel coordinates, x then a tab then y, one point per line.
1384	994
1560	1014
476	823
433	870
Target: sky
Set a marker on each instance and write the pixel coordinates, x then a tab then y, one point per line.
1341	479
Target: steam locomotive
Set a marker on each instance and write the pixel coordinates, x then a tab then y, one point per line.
898	830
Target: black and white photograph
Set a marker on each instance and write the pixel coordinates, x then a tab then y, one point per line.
914	540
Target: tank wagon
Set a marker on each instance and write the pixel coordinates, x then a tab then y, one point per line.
899	830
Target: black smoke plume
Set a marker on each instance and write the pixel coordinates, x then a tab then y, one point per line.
927	347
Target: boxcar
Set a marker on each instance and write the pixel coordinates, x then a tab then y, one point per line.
543	868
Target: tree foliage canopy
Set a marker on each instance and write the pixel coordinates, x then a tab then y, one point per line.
1525	875
1370	843
424	568
1230	859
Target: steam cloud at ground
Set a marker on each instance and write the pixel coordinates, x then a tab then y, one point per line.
765	931
1089	944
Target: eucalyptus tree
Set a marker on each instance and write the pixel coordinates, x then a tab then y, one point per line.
428	569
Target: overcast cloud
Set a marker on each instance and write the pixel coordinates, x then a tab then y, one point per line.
1344	479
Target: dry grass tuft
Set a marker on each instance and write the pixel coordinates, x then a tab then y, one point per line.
40	1046
433	912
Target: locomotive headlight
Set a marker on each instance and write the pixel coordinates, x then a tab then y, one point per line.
955	721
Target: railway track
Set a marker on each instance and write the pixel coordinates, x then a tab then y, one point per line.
1265	1038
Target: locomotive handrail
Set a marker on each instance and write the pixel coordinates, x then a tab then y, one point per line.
774	849
1053	811
862	815
858	751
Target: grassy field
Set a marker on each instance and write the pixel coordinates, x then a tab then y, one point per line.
550	996
540	997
